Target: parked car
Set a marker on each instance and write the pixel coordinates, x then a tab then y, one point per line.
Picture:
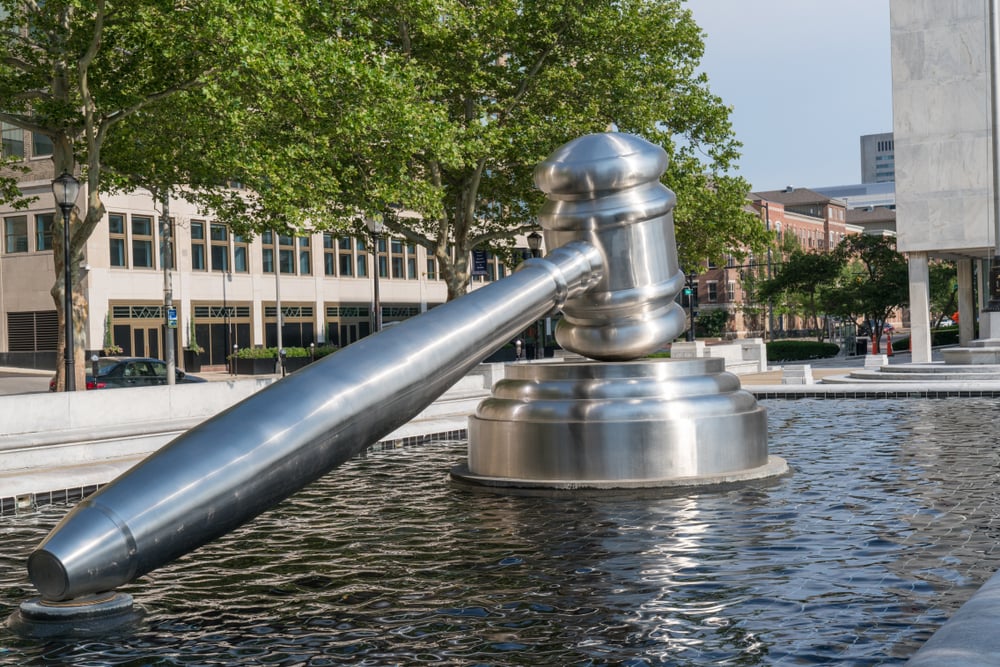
114	372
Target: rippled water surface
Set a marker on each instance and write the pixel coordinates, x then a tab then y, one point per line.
888	524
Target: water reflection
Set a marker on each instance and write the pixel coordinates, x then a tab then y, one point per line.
886	526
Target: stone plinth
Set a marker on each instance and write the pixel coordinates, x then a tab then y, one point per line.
797	375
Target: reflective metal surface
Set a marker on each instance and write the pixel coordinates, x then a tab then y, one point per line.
625	425
233	467
614	274
605	189
629	424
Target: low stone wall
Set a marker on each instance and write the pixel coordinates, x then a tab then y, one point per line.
742	356
33	422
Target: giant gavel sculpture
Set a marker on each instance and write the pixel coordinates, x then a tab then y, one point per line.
573	424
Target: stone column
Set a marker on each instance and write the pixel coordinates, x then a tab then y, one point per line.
966	311
920	306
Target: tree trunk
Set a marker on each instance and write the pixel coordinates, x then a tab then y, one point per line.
79	317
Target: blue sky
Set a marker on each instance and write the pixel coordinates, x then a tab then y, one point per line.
805	78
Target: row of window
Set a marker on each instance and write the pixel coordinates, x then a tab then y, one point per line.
19	234
133	242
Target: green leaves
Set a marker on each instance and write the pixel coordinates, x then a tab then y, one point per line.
327	111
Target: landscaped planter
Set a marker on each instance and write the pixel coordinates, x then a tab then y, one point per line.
192	361
262	366
293	364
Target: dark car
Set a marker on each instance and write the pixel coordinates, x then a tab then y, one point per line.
113	372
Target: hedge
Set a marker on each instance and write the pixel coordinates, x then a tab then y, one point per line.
939	337
798	350
290	352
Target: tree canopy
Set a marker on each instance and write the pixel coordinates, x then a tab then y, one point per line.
330	112
803	277
443	109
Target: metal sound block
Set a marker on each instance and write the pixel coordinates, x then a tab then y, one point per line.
629	425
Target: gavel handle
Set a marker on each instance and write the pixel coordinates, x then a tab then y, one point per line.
231	468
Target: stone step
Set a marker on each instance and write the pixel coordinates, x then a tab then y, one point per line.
895	374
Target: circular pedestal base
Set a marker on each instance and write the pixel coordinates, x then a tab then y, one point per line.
91	615
630	425
774	468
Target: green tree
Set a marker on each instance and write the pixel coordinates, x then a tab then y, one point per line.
943	281
451	105
73	70
875	283
802	279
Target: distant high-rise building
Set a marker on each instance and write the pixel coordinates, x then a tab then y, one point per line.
878	159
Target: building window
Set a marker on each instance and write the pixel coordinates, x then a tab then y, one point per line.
11	140
219	238
305	260
398	258
382	257
731	291
286	253
432	268
241	254
15	231
411	262
116	242
43	231
713	291
41	145
345	257
267	251
142	241
329	255
198	245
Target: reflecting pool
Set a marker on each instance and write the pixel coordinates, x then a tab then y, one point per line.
887	525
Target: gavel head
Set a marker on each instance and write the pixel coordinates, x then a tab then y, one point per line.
605	189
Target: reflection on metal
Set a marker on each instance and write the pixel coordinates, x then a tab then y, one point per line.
613	273
88	616
231	468
624	425
605	189
588	425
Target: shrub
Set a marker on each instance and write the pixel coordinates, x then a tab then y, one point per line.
290	352
256	353
798	350
324	350
944	336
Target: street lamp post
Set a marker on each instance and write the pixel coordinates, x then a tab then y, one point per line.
66	188
770	302
690	292
535	246
375	229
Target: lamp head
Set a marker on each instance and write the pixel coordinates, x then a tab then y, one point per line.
66	188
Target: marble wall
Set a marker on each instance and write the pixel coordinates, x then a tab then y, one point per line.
941	117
